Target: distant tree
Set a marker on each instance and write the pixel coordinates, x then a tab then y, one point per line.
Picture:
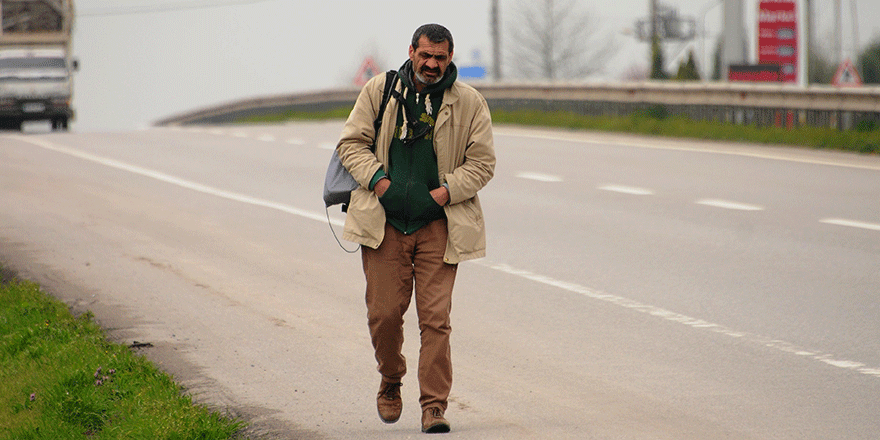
556	39
657	60
687	70
869	63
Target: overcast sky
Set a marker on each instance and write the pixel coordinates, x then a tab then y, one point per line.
142	60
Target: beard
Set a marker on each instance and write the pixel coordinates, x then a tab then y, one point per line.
428	81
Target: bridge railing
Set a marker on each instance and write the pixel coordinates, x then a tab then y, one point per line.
740	103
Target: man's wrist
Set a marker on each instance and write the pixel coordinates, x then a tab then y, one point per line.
381	186
380	174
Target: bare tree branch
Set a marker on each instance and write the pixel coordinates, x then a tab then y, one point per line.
556	39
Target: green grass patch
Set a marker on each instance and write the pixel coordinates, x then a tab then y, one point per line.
61	379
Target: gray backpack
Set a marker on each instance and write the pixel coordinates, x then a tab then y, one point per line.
338	183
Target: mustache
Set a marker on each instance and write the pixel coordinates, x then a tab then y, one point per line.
430	70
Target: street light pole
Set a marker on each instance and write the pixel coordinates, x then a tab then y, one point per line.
733	50
805	43
838	33
706	67
496	41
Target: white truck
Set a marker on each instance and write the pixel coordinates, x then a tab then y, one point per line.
36	66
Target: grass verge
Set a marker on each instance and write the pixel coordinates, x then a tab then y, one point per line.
865	140
61	379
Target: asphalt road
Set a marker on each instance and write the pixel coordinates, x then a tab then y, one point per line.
635	288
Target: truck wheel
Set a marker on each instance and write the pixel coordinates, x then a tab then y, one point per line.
59	124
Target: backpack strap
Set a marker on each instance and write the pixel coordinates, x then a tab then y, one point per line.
390	82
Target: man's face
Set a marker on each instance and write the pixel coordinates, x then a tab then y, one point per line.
430	61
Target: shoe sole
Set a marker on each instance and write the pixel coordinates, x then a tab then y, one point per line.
388	421
440	428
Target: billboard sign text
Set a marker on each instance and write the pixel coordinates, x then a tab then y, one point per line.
778	36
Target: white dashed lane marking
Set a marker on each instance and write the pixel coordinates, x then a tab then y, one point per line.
542	177
627	190
539	177
851	223
726	204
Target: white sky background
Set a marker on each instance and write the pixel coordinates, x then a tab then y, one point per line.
159	59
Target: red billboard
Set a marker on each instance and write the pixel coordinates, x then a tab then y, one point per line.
777	36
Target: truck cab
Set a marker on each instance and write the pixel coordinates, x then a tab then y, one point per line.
36	84
36	65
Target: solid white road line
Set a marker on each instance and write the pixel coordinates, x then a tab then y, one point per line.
627	190
539	177
183	183
661	313
671	316
725	204
851	223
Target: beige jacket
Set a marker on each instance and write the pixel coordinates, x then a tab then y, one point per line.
465	160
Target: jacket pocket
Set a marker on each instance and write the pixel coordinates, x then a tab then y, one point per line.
394	200
466	226
423	206
365	221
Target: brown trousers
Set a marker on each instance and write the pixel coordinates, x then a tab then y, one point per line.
400	263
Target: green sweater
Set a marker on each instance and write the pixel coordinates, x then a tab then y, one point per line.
412	167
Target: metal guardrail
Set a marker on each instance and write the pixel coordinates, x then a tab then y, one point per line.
236	110
741	103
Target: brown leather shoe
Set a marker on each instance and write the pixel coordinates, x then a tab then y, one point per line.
389	402
433	421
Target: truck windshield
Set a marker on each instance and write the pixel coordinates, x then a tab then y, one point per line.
32	63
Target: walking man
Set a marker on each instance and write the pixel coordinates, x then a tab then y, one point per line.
416	212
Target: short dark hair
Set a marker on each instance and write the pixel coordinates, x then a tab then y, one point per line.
436	34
